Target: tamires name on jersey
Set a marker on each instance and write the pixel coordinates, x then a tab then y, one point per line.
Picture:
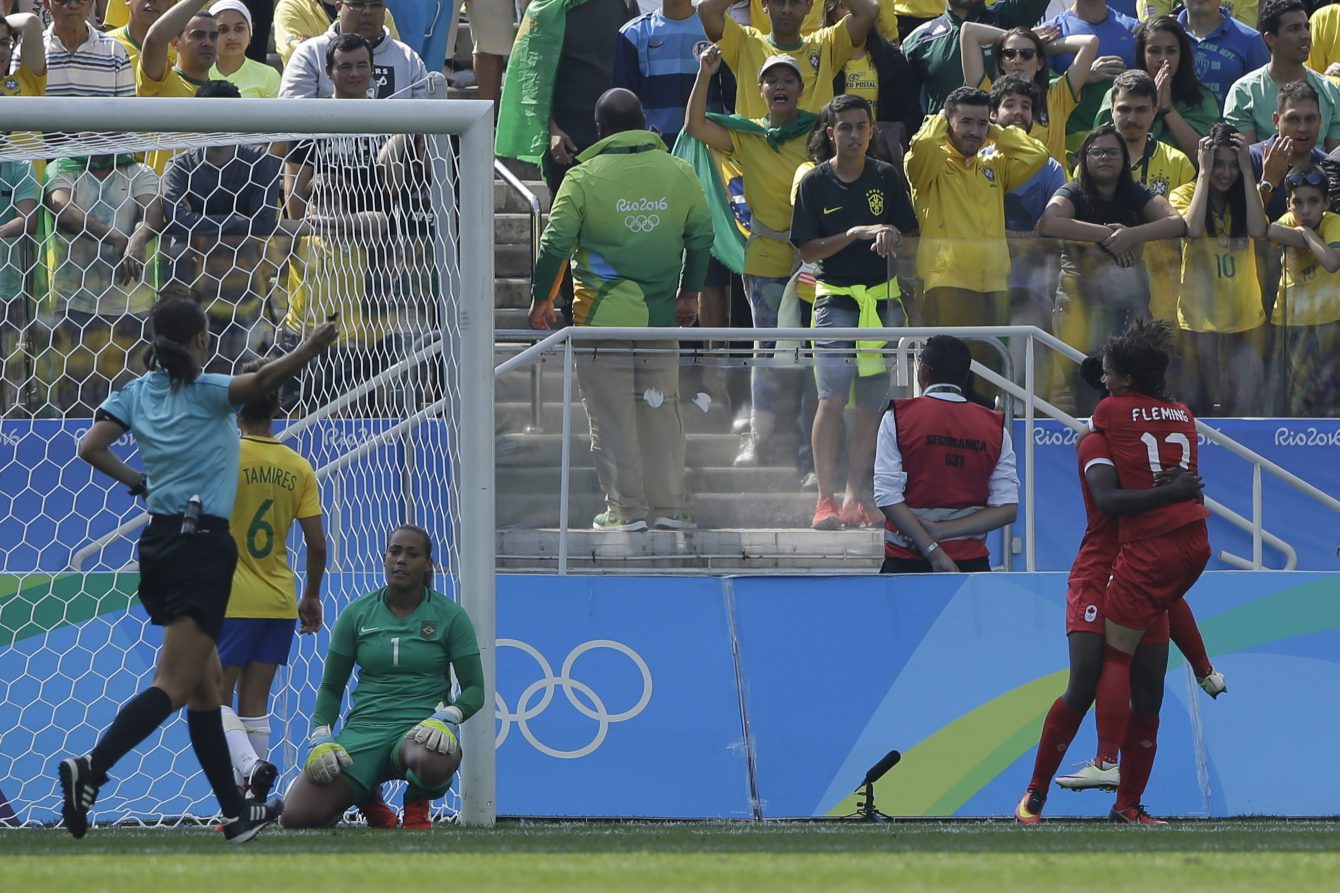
272	475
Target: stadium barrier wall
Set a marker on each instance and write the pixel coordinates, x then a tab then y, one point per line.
56	506
744	697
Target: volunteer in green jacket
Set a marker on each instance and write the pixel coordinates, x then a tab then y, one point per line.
850	214
634	221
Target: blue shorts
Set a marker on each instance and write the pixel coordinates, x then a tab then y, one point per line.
835	371
253	640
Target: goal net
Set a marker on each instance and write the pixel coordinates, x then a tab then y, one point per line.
274	215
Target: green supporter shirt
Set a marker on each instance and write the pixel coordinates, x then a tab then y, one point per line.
17	183
402	663
634	221
828	206
933	48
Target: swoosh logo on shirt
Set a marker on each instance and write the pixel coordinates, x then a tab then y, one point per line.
831	210
369	629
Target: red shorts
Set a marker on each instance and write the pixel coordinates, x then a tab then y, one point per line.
1151	574
1084	613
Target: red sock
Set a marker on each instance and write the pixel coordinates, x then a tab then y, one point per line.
1137	758
1113	702
1186	635
1058	730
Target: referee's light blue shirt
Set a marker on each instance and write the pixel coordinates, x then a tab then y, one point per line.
187	439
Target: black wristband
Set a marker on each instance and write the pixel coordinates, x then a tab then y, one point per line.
141	488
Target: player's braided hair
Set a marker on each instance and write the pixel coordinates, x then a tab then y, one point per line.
1143	352
427	548
173	324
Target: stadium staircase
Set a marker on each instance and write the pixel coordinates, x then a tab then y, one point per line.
750	519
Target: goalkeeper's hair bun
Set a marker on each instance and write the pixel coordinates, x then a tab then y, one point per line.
174	324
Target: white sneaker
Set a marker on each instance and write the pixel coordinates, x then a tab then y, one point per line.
1091	775
1213	684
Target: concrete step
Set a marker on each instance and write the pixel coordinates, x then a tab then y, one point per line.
703	450
505	198
535	480
512	229
791	511
524	170
519	415
723	550
511	292
695	375
512	261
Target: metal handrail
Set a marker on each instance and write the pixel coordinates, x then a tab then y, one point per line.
513	181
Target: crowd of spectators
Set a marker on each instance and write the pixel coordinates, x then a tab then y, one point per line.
268	238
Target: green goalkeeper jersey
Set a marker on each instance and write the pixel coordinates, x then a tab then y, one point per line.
403	662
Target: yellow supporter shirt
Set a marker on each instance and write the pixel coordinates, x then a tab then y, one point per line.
821	56
917	9
768	175
1162	169
24	83
862	79
1325	39
275	487
960	203
1219	289
1311	296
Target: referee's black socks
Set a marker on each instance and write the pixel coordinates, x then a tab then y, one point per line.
211	749
134	721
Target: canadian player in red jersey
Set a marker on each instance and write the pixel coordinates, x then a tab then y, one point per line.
1104	501
1162	552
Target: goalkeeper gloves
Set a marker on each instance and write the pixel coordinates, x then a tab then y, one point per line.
439	732
326	759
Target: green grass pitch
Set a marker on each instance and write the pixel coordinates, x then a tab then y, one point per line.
1219	856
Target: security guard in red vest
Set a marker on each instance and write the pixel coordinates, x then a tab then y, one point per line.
944	470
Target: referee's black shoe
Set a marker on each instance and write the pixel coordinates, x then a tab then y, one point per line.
79	787
255	816
261	779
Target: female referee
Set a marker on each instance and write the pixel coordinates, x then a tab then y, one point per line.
405	638
185	428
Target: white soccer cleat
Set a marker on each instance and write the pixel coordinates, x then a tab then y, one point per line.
1213	684
1090	775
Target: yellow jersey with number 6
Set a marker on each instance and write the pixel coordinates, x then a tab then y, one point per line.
275	487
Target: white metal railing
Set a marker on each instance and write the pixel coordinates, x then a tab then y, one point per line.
903	339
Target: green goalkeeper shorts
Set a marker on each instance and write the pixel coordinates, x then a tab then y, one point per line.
376	755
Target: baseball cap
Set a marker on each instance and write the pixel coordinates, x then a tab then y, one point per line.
781	59
234	6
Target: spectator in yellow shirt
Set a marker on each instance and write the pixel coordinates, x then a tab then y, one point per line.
137	16
194	34
819	56
1219	310
30	78
960	167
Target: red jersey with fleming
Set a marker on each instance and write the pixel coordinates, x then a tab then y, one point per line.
1146	435
949	451
1098	549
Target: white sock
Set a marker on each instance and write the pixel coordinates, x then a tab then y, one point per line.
258	731
239	745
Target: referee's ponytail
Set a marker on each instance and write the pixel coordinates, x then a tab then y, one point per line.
173	325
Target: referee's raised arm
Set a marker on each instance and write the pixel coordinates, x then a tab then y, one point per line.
277	373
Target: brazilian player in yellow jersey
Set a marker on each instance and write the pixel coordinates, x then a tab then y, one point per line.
406	640
276	488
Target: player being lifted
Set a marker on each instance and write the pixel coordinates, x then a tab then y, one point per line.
184	427
1162	552
406	639
276	487
1104	502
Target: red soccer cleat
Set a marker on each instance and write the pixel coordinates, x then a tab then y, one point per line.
1134	815
417	816
376	812
1029	810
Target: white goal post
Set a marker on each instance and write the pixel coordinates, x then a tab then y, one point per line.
459	134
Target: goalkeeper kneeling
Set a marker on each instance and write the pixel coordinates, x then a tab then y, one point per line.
406	639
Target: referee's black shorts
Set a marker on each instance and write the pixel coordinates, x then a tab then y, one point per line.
187	575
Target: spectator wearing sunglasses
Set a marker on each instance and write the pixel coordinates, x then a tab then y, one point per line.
1024	52
1307	312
